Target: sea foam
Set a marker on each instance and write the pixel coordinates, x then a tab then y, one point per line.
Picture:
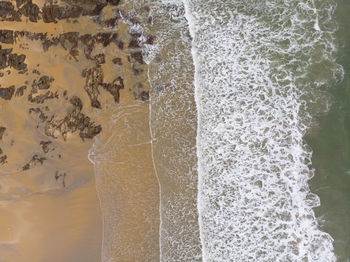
260	69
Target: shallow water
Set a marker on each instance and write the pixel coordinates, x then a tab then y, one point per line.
174	123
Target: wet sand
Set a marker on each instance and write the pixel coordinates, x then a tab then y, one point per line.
127	185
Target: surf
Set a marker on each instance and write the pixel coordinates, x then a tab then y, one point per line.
258	71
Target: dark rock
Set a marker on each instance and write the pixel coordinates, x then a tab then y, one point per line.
90	131
6	10
45	146
137	57
6	36
20	91
96	104
74	53
70	12
94	78
44	82
17	61
31	11
70	41
87	39
50	13
114	88
94	12
3	159
117	61
144	96
48	43
76	102
33	162
100	59
72	37
113	2
34	89
63	176
4	57
36	72
39	99
106	38
134	20
2	131
150	40
120	45
112	22
89	42
7	93
134	43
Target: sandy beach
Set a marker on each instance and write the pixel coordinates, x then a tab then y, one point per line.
69	79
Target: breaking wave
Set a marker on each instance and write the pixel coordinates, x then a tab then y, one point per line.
261	72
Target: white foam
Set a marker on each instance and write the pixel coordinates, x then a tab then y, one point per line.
257	66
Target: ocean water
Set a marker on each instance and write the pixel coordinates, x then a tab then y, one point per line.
331	149
248	121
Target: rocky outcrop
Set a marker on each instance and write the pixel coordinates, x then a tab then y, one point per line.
20	91
56	113
73	122
41	98
29	10
93	79
7	93
17	61
6	36
8	12
45	145
2	131
33	162
3	159
9	59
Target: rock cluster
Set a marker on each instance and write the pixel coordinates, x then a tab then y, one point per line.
73	122
41	91
2	156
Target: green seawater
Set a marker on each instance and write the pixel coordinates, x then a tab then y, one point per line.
331	149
